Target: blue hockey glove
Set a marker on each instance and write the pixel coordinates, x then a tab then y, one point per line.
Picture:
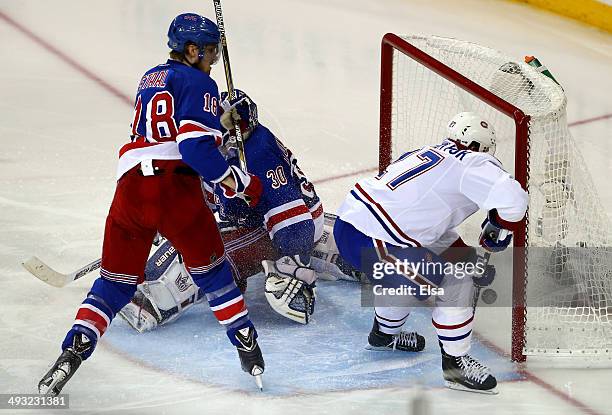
487	278
493	237
241	109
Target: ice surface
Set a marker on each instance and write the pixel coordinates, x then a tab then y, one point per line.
312	66
328	355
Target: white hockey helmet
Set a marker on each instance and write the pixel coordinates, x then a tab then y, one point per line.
469	130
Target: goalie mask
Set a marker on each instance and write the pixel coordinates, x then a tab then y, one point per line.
247	110
469	131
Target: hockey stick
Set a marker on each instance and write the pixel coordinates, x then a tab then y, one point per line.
47	274
484	260
230	82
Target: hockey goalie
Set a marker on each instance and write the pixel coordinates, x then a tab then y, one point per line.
287	235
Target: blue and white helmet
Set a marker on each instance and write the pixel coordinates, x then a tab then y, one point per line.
469	130
191	27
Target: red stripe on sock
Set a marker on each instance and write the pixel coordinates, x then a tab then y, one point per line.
94	318
452	327
230	311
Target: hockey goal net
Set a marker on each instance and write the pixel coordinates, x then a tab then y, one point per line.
561	269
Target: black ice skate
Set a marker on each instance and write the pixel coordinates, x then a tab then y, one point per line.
249	352
467	374
404	341
65	366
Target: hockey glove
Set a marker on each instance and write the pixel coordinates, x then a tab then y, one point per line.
487	277
493	237
294	266
286	293
247	186
229	118
231	112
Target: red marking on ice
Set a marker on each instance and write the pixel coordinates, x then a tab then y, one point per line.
66	59
531	377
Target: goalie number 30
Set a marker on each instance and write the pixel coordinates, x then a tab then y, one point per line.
277	176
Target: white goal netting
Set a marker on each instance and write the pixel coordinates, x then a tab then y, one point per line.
569	268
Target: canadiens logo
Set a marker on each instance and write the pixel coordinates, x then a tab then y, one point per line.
182	282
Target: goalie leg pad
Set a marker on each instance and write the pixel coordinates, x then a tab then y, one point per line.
141	314
288	296
161	300
326	259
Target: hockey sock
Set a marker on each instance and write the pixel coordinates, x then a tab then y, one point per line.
454	328
97	311
224	298
391	319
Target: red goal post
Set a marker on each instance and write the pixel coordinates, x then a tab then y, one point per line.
392	43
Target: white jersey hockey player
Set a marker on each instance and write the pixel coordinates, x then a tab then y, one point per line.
411	211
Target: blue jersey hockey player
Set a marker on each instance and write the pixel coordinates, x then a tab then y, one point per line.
175	133
287	233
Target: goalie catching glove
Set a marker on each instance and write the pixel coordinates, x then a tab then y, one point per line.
247	186
290	288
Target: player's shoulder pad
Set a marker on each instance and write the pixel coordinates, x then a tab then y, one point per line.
262	144
475	158
263	135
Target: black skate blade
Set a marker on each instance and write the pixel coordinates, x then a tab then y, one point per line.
459	387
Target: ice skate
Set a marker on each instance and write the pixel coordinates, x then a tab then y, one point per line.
467	374
250	355
69	361
404	341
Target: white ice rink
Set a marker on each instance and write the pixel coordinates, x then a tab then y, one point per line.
68	73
